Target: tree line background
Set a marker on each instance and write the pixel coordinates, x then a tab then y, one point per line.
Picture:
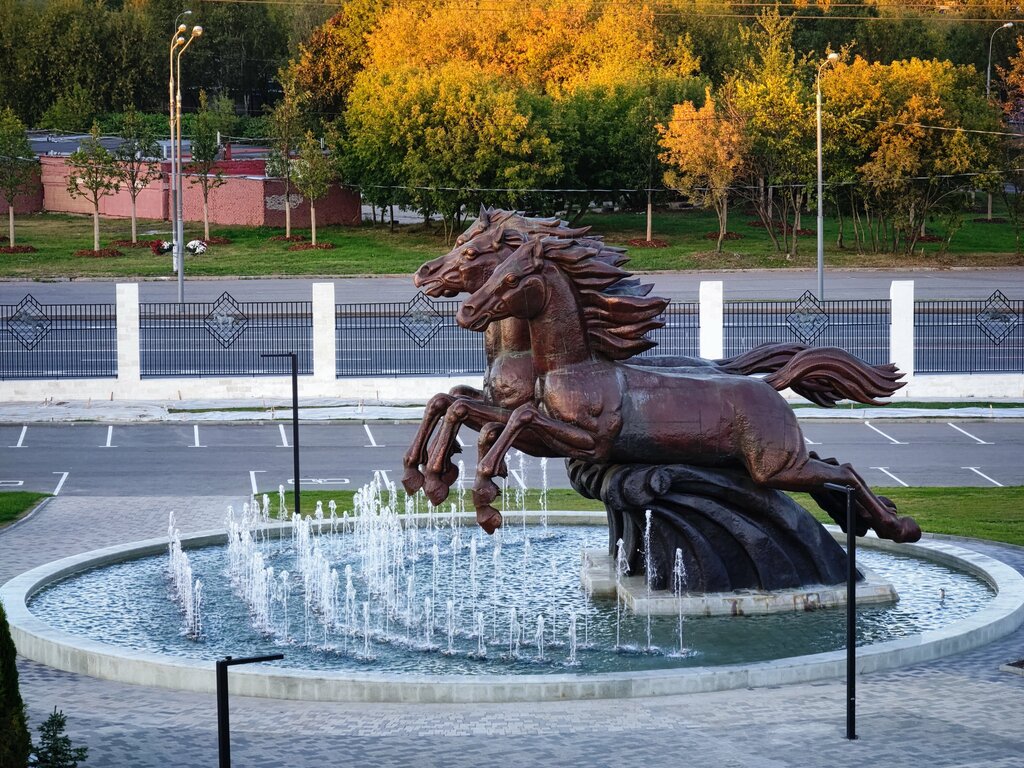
442	105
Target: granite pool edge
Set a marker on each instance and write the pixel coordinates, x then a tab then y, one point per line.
39	642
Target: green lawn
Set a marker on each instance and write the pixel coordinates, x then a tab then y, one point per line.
16	504
369	250
983	513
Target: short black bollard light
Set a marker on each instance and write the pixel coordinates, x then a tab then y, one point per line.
223	722
295	423
851	611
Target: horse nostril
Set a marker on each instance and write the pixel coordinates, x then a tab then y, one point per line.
468	308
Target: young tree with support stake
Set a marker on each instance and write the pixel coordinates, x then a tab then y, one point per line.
93	175
136	167
17	164
313	174
285	130
205	147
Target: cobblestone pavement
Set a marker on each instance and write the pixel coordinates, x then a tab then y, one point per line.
958	711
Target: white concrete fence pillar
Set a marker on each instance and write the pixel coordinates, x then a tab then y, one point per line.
712	320
128	367
901	328
324	333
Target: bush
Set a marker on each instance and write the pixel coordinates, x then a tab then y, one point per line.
73	111
15	742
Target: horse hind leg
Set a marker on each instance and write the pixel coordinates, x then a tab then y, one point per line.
811	474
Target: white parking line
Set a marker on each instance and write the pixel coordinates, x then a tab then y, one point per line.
369	434
11	483
965	432
195	433
63	477
252	480
518	478
890	474
809	441
110	437
890	438
284	437
21	439
977	471
459	439
384	475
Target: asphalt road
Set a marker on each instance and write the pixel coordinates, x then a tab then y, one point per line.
196	460
680	286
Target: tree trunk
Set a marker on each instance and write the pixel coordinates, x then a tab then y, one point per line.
96	226
287	209
842	225
10	224
135	224
206	217
312	221
391	215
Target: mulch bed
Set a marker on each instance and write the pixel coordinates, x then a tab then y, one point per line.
102	253
993	220
218	241
290	239
311	247
929	239
639	242
726	236
779	227
17	248
130	244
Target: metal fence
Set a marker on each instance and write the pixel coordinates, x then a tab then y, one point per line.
57	341
985	336
224	337
858	326
415	337
681	334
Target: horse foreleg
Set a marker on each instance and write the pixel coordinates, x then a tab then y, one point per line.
439	470
412	480
574	440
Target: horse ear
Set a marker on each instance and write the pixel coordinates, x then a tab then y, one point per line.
483	218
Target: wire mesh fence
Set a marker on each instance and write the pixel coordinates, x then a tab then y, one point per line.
979	336
57	341
224	337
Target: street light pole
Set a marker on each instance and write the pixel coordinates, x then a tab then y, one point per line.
821	218
179	235
988	91
176	41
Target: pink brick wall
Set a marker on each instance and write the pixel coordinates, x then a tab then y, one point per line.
30	202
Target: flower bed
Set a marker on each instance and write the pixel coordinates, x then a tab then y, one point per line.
102	253
311	247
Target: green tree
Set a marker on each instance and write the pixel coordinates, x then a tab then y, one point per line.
55	750
93	174
72	111
206	126
18	166
313	174
15	742
136	166
286	128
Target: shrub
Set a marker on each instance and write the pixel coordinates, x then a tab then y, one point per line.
55	750
15	742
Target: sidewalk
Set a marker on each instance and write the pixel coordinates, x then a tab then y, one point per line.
314	409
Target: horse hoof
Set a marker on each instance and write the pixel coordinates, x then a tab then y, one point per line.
412	480
435	489
450	475
488	518
484	492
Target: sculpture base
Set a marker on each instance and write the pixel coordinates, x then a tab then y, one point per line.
597	576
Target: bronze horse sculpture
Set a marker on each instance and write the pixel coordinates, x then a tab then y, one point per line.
509	377
588	407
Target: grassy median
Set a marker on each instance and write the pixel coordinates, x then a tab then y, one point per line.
981	513
16	504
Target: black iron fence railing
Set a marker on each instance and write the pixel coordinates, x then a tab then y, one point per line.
858	326
416	337
681	333
982	336
57	341
224	337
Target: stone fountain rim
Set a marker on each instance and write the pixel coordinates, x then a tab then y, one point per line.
40	642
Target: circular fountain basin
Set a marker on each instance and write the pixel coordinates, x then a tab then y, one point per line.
38	640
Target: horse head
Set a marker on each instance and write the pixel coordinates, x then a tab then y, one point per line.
515	289
485	244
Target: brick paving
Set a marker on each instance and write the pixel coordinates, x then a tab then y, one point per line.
958	711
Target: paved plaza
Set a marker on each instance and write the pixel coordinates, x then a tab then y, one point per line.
958	711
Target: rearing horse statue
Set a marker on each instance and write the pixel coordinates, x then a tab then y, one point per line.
591	408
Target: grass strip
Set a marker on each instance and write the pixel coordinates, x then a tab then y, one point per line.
978	513
16	504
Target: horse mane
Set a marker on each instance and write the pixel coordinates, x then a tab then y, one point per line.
617	312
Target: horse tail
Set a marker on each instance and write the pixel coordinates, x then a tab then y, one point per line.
766	358
826	375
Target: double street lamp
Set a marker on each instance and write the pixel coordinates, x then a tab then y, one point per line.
178	46
988	90
821	219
